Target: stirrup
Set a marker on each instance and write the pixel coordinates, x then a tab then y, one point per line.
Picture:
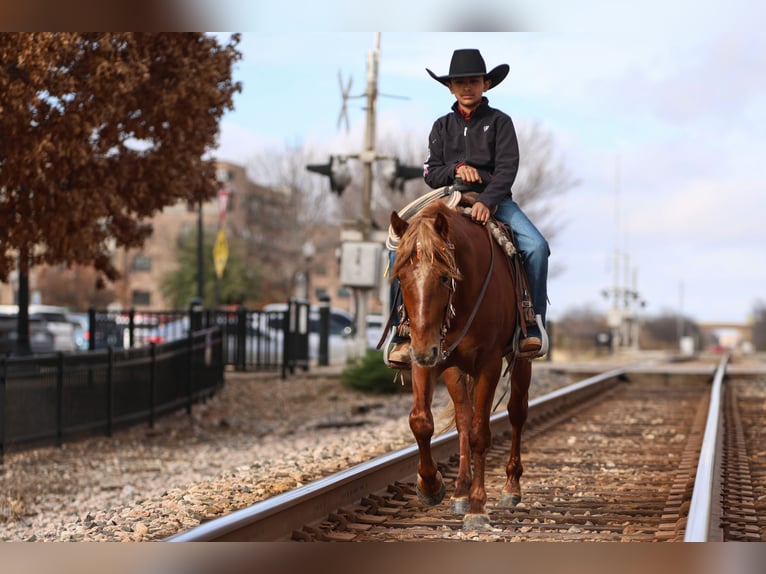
387	345
543	337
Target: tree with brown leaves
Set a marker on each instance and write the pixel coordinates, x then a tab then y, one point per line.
98	133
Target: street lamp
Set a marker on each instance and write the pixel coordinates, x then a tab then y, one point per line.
308	251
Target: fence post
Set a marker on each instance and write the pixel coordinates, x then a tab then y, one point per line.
195	314
189	370
324	330
152	383
241	338
59	399
3	370
131	327
91	328
195	324
287	338
109	390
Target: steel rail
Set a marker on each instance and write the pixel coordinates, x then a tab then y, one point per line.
277	517
703	504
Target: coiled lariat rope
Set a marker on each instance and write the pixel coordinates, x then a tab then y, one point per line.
453	198
500	236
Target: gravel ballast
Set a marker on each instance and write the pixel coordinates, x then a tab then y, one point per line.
258	437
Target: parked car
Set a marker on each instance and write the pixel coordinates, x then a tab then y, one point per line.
170	331
41	340
341	330
108	332
55	320
58	324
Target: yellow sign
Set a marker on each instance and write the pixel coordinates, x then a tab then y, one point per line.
220	253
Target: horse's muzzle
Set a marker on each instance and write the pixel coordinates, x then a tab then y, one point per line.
428	357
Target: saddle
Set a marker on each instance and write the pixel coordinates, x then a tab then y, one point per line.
503	235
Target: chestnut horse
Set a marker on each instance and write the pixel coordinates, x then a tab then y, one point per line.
458	291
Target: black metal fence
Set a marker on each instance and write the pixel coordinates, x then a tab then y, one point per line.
253	340
45	399
140	366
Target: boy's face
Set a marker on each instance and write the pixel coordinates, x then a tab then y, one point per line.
468	91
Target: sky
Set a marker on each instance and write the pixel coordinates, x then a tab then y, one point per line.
659	111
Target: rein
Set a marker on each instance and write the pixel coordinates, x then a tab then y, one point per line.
446	352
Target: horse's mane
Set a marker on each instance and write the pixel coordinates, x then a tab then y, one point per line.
422	243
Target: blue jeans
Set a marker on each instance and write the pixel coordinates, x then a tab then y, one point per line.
534	250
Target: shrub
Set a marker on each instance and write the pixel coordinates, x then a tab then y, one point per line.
370	374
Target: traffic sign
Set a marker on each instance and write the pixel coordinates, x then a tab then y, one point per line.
220	253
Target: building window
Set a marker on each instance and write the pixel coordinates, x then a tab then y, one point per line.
344	292
224	175
142	298
142	263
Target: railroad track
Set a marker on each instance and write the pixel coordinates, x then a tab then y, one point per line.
611	458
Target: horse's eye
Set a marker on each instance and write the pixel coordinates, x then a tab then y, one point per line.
444	280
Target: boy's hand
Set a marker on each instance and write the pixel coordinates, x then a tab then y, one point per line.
480	213
468	174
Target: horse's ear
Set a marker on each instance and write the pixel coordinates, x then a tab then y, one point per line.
398	224
441	225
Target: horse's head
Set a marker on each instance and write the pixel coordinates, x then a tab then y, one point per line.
426	268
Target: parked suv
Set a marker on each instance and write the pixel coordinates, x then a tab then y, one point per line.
40	338
54	320
58	324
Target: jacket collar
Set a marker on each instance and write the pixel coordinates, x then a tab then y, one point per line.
480	110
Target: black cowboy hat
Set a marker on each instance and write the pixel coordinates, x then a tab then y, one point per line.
468	62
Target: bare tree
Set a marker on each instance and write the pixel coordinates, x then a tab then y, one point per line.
578	328
286	168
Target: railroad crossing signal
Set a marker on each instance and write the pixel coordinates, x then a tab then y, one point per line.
397	174
220	253
337	170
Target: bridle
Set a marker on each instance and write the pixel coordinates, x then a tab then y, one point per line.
449	311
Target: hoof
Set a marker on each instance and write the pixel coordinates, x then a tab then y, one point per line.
476	522
431	499
460	506
508	500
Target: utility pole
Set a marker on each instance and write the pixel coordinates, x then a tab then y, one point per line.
623	315
368	156
362	246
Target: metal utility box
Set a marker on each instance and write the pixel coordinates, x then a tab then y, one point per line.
360	264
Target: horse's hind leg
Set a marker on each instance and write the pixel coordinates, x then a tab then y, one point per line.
517	413
458	385
430	485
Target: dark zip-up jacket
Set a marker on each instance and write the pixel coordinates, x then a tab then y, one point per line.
487	142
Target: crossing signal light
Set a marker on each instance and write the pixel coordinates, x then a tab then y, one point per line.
337	170
397	174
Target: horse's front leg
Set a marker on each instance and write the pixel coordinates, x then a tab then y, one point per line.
430	485
481	439
517	413
460	393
